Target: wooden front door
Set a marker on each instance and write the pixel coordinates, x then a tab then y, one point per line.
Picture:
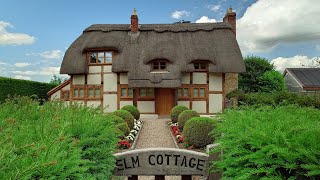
165	101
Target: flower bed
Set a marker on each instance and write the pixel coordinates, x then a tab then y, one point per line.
128	141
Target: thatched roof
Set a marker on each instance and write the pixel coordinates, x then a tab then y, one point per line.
179	43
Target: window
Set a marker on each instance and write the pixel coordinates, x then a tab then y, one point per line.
100	57
65	95
94	92
146	92
200	66
159	65
78	92
183	92
199	92
126	92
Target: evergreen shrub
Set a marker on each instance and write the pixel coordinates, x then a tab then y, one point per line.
126	116
175	111
133	110
196	131
54	141
185	116
269	143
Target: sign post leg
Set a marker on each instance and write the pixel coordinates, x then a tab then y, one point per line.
133	177
158	177
186	177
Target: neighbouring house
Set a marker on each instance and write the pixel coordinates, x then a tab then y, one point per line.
153	66
302	79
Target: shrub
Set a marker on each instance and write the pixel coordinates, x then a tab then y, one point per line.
54	141
133	110
270	143
115	119
124	128
126	116
196	131
174	114
185	116
271	81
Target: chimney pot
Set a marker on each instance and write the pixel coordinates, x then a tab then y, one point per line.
230	18
134	27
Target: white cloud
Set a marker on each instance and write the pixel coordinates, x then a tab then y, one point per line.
7	38
22	64
214	8
53	54
268	23
179	14
298	61
45	71
205	19
22	77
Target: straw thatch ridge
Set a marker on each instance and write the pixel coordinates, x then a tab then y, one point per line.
180	44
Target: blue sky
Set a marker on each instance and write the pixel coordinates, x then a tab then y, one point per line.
35	34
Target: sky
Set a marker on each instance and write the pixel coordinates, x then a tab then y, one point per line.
34	34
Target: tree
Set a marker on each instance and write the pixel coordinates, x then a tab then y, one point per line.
255	68
271	81
56	80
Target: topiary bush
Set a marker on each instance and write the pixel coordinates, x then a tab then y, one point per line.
196	131
124	128
174	114
133	110
126	116
185	116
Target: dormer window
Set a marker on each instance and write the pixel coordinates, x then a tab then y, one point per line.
200	66
159	65
100	57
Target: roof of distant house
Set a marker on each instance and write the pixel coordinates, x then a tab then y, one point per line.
308	77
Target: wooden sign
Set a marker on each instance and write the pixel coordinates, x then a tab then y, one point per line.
161	161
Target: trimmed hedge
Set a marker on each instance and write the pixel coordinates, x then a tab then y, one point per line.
13	87
133	110
126	116
54	141
124	128
275	99
175	111
269	143
196	131
120	124
185	116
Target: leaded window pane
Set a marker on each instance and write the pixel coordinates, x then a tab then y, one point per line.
130	92
202	92
150	92
185	92
91	93
123	92
203	66
75	93
142	92
195	92
81	93
179	92
97	92
100	57
93	58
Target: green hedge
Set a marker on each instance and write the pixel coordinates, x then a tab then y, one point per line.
126	116
277	98
185	116
12	87
133	110
270	143
55	142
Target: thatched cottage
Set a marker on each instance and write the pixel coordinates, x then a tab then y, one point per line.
153	66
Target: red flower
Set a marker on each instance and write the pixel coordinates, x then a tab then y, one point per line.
124	144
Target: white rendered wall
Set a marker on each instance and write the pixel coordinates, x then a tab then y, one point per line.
107	68
78	79
123	78
110	82
66	88
55	96
199	78
124	103
185	78
215	103
93	104
184	103
215	82
110	102
94	69
199	106
94	79
146	106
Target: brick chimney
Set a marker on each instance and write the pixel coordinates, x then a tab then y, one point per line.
230	17
134	21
